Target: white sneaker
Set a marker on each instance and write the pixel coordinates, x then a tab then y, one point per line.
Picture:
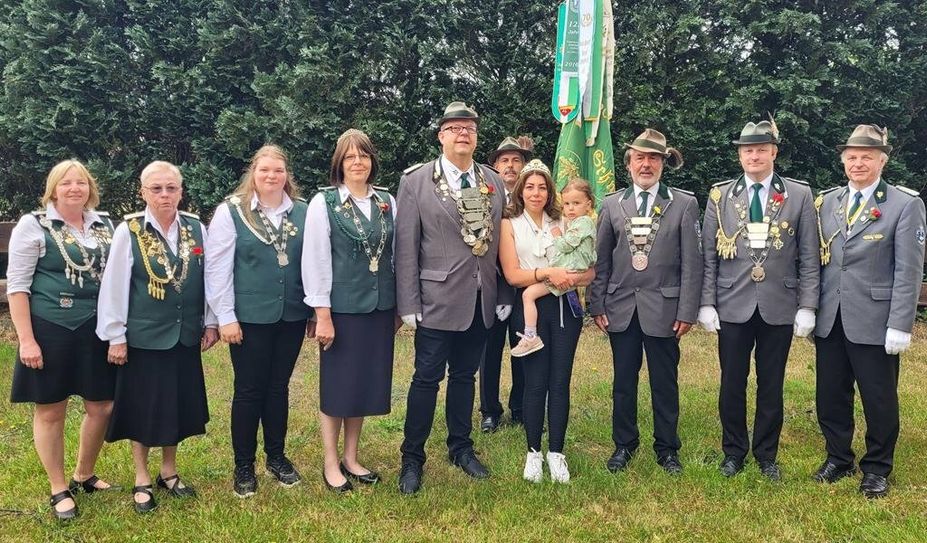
559	472
534	467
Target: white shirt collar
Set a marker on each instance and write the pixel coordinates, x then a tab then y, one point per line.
150	219
867	192
344	193
90	216
285	205
652	191
766	181
453	173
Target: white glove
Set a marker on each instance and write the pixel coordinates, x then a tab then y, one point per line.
412	320
804	322
708	319
503	311
896	341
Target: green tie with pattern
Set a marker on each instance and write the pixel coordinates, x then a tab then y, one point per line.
857	201
642	210
465	180
756	208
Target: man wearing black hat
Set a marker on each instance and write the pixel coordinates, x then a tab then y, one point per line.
760	287
872	257
508	159
446	248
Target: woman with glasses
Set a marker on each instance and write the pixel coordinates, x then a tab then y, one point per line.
351	285
254	285
152	310
56	259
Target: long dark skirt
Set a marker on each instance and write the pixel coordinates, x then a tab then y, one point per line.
356	374
74	364
160	397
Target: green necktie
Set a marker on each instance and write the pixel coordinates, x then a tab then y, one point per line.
756	208
465	180
642	210
857	201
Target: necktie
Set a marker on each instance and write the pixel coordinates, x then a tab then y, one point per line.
465	180
756	208
642	210
857	201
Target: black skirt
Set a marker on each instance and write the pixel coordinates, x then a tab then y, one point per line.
160	397
74	364
356	373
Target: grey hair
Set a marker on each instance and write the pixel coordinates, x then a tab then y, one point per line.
159	166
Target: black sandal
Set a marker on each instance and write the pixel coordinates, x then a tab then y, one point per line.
55	499
177	491
144	507
89	486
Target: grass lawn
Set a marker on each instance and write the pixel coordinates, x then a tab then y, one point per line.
641	504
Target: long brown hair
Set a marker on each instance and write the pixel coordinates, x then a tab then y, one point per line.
517	207
245	190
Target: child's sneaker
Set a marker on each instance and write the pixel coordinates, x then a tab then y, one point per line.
527	345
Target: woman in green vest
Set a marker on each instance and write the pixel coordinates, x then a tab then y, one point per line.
153	312
56	260
350	282
255	288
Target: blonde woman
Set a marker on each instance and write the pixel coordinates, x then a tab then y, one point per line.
254	285
56	261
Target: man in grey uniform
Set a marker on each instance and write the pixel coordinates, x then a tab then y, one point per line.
447	243
646	292
760	286
872	257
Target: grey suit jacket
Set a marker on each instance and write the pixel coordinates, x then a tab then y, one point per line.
437	274
670	288
874	274
792	271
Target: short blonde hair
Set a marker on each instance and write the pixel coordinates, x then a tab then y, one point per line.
160	166
57	174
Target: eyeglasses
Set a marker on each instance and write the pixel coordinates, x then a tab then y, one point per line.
363	157
456	130
158	189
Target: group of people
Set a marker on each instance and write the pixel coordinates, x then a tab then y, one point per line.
466	255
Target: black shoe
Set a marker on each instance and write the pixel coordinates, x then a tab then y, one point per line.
731	465
147	506
88	486
370	478
55	499
245	481
470	464
490	424
619	460
282	470
874	486
517	420
340	489
671	464
770	470
410	478
175	490
831	473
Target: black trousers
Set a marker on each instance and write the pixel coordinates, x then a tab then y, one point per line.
663	366
437	352
491	370
735	342
839	364
263	366
548	372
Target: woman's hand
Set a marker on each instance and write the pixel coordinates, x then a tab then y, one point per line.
210	337
231	333
325	332
31	354
560	278
118	354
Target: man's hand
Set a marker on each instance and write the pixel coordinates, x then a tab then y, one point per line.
804	322
896	341
503	311
681	328
412	320
708	319
602	322
210	337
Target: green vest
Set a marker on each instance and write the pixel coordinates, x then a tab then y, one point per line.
265	291
355	289
55	297
158	323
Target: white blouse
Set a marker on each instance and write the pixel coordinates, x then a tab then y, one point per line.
533	243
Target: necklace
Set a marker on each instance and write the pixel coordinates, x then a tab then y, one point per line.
151	246
73	271
362	236
269	236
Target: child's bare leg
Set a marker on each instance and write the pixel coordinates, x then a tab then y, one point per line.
529	297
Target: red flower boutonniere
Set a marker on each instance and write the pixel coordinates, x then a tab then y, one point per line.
487	189
778	198
197	251
874	214
384	207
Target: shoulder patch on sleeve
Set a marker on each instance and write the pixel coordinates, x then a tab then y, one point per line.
683	191
136	215
825	191
381	189
906	190
188	214
722	183
799	181
412	168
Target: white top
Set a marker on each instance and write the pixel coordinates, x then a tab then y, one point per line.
764	191
453	173
533	244
113	303
652	191
220	266
317	256
27	246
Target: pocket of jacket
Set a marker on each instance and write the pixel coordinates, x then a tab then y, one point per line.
670	292
725	282
790	282
881	293
433	275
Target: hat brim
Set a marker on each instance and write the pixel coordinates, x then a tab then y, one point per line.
646	149
887	149
525	154
457	118
756	142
